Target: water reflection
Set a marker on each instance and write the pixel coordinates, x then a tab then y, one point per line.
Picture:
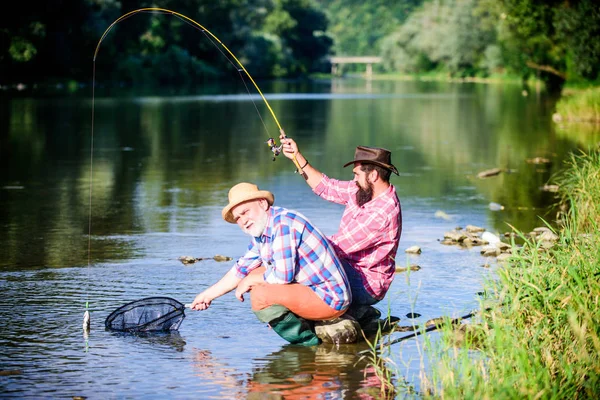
297	372
162	167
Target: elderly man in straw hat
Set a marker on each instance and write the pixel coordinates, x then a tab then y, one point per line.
369	232
290	268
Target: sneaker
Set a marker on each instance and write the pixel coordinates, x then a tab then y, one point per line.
338	331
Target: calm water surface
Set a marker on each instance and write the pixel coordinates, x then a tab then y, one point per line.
162	167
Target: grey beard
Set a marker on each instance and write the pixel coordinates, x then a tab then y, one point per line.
364	195
258	228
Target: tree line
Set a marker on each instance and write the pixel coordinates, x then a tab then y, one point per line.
554	40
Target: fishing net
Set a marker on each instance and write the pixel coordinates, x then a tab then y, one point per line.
147	315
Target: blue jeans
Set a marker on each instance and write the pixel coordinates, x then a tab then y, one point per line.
360	295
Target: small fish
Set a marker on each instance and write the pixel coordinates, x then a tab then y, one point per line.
86	321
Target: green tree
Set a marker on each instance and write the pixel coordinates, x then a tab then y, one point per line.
358	27
455	35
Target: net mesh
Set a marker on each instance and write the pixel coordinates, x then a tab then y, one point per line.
147	315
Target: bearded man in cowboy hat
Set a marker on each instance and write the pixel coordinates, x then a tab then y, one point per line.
370	229
291	270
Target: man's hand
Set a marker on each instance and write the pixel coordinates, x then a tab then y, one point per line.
290	148
201	302
243	287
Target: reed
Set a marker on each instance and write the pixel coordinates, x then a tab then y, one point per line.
542	338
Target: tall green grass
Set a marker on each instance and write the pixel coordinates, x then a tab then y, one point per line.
581	105
541	339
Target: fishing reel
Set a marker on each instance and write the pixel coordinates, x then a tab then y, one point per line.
276	150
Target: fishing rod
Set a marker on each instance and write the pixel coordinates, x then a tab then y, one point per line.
275	149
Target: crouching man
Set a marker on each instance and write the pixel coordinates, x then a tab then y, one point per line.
290	269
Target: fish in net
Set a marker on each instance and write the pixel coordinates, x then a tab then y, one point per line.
151	314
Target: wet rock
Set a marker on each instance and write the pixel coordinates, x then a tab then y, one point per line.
191	260
490	251
549	188
489	172
548	236
413	315
339	330
221	258
538	160
503	257
490	238
442	215
413	267
455	236
474	229
504	247
187	259
447	242
413	250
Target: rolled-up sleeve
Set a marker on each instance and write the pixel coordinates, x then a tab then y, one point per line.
248	262
335	191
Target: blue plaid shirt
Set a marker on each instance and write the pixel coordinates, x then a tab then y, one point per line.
292	250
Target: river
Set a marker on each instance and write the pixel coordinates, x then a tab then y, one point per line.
107	226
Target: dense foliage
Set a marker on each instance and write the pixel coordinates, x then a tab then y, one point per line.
553	40
56	39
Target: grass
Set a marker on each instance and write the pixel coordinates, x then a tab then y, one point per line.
542	339
579	106
539	334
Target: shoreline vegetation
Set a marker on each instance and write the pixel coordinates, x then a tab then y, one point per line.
539	333
578	105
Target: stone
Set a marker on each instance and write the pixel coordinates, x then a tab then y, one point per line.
489	172
413	250
338	331
221	258
187	259
413	267
455	236
474	229
503	257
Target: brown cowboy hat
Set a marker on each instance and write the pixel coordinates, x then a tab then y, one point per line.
373	155
241	193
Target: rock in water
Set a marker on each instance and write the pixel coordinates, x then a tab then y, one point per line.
489	172
413	250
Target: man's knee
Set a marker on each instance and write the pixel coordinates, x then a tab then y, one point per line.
259	297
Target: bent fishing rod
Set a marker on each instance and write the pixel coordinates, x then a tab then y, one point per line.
228	55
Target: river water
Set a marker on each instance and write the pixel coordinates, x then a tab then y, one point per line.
109	229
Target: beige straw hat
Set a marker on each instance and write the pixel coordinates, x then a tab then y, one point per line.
241	193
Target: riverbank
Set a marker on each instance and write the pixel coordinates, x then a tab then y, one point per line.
540	337
578	105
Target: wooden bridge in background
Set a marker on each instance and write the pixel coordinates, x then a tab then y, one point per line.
369	60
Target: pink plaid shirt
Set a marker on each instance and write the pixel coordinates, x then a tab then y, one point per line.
369	235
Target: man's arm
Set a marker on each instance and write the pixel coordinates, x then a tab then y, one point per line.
226	284
290	148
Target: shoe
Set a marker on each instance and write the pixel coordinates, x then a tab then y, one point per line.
338	331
